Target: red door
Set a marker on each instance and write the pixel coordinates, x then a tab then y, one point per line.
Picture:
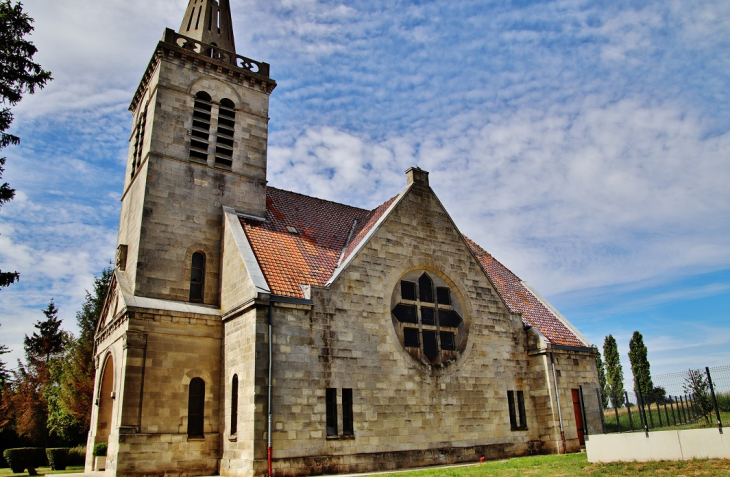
578	416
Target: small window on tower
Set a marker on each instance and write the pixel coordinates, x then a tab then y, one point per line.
196	408
197	277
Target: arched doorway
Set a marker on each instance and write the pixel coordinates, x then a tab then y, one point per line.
106	403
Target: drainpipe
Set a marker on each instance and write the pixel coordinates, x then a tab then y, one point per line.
271	374
557	398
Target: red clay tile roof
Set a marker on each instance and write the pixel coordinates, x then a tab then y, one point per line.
519	299
309	253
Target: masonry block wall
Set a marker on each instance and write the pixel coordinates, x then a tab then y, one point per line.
413	413
182	199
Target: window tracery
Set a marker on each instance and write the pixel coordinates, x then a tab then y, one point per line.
427	318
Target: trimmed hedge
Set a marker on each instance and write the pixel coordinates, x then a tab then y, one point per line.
76	456
26	458
57	457
100	449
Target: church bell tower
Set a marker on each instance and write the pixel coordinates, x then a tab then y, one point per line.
198	143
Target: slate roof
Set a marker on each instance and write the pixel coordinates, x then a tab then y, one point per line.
305	239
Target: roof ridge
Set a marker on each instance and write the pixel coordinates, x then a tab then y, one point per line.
317	198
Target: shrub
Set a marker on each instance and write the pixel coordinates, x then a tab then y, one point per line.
723	402
100	449
76	456
57	457
25	458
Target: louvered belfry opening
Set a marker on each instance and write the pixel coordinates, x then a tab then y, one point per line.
139	133
200	134
224	140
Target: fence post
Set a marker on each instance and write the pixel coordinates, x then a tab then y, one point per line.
631	422
692	407
671	406
600	405
714	400
659	413
666	413
682	415
642	411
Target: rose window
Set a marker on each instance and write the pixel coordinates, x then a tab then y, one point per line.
427	318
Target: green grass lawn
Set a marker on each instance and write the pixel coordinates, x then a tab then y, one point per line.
577	464
46	471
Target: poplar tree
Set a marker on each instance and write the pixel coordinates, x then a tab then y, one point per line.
18	75
638	357
614	372
602	379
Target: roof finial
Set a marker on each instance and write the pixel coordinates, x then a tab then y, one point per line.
209	21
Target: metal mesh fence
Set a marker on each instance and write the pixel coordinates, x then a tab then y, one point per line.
690	399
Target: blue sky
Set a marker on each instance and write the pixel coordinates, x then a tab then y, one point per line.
585	144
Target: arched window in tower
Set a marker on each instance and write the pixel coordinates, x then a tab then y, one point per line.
196	407
201	127
197	277
224	143
234	405
139	132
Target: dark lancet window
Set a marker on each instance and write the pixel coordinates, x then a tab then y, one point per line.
234	405
515	409
511	405
347	423
197	277
425	286
196	407
226	125
331	411
521	409
201	127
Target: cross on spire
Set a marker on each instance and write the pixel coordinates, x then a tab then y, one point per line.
209	21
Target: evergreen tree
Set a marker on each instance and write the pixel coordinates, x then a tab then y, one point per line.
70	408
614	372
18	75
47	343
638	357
28	401
4	372
602	380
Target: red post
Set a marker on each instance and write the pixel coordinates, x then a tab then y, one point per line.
269	457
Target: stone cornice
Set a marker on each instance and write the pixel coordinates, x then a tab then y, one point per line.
234	68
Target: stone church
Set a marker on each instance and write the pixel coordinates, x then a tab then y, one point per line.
251	330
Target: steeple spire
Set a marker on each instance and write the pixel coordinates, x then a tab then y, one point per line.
209	21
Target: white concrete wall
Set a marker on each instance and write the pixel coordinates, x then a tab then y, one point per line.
662	445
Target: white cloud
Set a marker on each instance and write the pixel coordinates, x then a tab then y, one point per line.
584	144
